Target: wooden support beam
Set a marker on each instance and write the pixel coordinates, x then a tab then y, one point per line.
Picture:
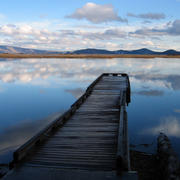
123	159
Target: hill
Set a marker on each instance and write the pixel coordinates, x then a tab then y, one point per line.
143	51
18	50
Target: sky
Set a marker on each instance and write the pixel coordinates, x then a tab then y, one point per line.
77	24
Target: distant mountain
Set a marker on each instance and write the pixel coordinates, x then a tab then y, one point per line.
92	51
171	52
18	50
143	51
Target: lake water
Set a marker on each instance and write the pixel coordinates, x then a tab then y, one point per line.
35	91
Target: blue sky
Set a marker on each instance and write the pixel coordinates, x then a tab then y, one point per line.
75	24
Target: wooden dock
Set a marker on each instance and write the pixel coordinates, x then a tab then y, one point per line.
89	141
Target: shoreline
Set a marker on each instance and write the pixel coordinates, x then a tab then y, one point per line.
93	56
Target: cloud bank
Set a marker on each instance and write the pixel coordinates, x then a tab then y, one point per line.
39	35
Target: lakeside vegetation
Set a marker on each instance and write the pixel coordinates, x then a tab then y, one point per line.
105	56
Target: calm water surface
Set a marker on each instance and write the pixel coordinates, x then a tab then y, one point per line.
35	91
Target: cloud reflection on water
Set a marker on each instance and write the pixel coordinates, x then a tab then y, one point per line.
150	92
169	125
76	92
26	71
17	134
35	70
169	81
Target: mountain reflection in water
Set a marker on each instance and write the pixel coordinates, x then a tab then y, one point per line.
33	89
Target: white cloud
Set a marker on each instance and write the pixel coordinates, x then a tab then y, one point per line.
32	35
96	13
171	29
150	16
147	43
105	34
